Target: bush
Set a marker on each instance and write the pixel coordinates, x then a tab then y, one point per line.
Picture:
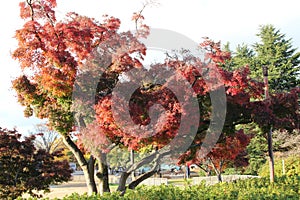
25	169
292	167
285	187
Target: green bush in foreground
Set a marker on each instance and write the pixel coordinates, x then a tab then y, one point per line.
286	187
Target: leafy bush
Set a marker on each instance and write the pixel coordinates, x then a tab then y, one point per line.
25	169
285	187
292	167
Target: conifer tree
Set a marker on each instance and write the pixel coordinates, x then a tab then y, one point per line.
283	61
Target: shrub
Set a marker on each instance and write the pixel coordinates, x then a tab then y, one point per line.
256	188
23	168
285	187
292	167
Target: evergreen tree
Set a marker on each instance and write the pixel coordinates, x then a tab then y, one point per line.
242	56
283	62
274	51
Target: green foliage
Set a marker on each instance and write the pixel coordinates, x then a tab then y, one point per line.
291	165
118	157
24	169
285	187
275	51
233	170
256	151
242	56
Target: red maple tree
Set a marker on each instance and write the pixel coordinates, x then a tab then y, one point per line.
58	53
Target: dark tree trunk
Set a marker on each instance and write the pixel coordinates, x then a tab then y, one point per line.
154	157
271	156
141	178
219	177
122	182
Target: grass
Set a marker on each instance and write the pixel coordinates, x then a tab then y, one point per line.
179	181
113	187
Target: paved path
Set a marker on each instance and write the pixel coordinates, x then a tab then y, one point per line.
59	191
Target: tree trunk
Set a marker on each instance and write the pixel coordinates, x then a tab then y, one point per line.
271	156
217	171
154	157
122	182
141	178
88	175
102	174
269	133
132	163
219	177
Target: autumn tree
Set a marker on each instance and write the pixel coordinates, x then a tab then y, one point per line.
152	103
231	150
25	169
281	111
51	53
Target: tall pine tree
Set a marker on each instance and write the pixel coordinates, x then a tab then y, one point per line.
277	52
242	56
274	51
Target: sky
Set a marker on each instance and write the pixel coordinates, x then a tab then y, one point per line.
234	21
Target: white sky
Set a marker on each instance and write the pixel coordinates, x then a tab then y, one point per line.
236	21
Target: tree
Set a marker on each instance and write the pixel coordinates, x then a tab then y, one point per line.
256	149
231	150
25	169
244	95
277	52
54	51
46	139
278	111
242	56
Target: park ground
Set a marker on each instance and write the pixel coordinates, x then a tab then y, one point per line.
66	189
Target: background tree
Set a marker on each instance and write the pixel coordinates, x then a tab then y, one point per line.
243	55
283	61
231	150
47	139
256	149
25	169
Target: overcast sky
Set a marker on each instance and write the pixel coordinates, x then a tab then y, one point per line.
234	21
